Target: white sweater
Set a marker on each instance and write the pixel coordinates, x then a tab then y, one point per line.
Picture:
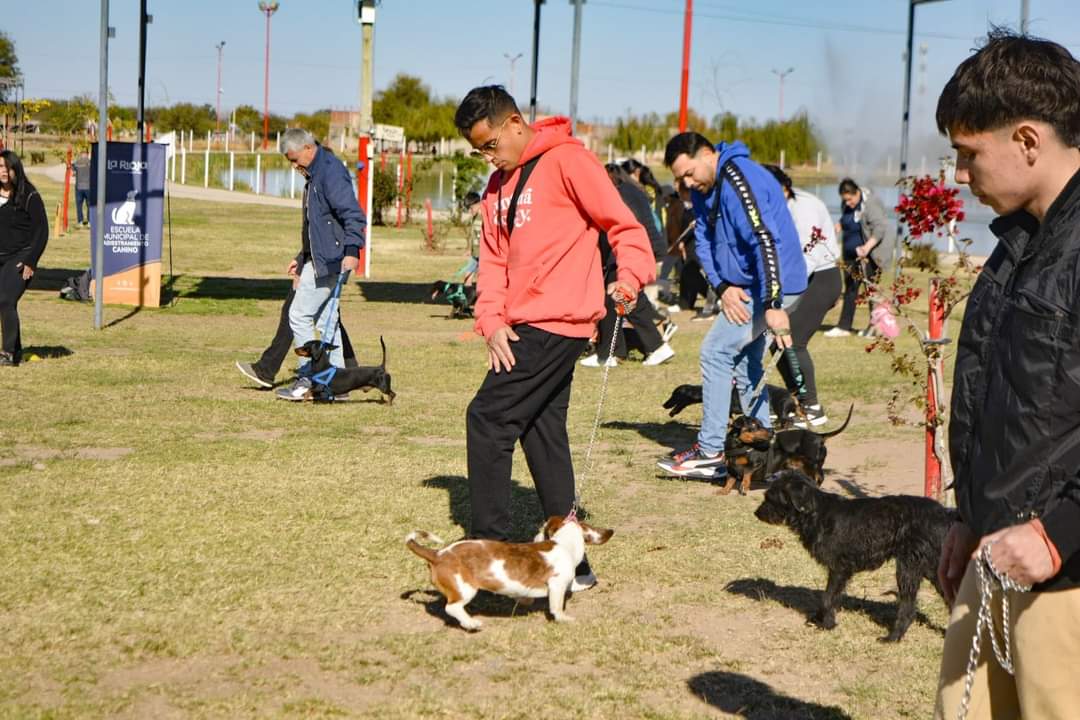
808	212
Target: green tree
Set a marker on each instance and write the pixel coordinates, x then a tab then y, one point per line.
9	65
408	103
317	123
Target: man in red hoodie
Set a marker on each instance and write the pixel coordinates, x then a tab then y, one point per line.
540	294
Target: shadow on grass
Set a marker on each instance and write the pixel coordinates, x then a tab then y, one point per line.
674	434
396	292
484	605
850	485
746	697
808	601
47	352
53	278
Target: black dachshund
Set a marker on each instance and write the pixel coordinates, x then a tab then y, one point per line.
781	402
343	380
848	536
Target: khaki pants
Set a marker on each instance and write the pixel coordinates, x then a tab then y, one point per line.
1045	631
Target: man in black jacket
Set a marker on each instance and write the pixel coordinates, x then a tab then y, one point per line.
1012	111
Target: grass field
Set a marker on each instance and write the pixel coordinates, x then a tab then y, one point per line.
179	544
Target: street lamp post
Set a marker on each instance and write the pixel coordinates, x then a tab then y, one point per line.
535	59
268	9
513	60
782	74
217	122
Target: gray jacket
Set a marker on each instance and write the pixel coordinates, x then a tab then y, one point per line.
875	222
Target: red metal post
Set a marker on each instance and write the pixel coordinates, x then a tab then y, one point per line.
400	184
936	331
408	186
67	188
688	23
363	168
108	133
430	225
382	160
149	132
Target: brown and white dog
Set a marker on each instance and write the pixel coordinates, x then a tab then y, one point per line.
544	567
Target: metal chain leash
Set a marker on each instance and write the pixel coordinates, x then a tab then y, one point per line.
599	407
987	575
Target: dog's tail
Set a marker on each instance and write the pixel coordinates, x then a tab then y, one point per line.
427	553
383	343
840	429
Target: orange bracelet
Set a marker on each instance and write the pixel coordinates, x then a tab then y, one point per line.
1055	556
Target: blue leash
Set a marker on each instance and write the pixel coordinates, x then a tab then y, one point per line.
325	377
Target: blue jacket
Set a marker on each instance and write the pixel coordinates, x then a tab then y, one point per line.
336	224
731	252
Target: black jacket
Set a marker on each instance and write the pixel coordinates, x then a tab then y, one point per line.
24	229
638	202
1014	435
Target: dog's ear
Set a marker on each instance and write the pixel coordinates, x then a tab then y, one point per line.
789	440
303	351
552	526
595	536
801	492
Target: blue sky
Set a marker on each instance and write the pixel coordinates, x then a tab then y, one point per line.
846	53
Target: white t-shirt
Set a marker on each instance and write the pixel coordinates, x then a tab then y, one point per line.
808	212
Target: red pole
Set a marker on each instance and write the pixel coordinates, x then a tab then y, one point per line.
408	187
382	160
363	164
430	226
149	132
936	330
67	188
688	22
266	83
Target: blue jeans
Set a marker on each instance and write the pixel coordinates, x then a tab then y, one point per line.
82	196
311	309
728	352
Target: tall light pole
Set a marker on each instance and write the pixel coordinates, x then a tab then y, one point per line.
217	123
1024	16
268	9
512	60
575	63
535	58
782	74
684	91
365	15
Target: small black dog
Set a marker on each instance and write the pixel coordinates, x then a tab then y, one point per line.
461	297
753	451
848	536
345	379
781	403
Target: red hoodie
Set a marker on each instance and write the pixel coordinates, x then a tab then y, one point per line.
549	274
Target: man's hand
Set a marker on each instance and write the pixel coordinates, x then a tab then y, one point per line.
780	324
733	303
350	263
500	356
861	251
27	271
1021	553
956	551
621	293
291	271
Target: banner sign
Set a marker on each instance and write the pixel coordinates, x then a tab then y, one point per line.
134	205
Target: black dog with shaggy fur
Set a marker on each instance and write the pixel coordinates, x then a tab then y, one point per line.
344	380
849	536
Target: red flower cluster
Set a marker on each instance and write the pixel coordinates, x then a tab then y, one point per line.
929	207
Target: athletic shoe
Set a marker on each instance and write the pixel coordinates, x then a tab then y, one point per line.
248	371
584	577
694	462
594	361
7	360
868	331
660	355
341	397
701	316
668	330
836	332
815	416
297	391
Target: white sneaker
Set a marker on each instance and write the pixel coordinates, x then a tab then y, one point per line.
673	309
660	355
836	332
669	330
594	361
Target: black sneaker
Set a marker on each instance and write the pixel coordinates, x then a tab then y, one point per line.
695	462
584	578
299	390
7	360
248	370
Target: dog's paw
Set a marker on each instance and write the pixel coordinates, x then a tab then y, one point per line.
823	621
563	618
472	625
724	491
890	638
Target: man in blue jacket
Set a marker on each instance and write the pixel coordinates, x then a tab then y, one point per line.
331	238
749	249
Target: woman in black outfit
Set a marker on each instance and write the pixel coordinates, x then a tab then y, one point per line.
24	231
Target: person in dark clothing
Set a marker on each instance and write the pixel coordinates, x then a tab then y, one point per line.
866	238
81	166
24	232
1012	112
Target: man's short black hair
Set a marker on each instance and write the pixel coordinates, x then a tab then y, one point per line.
1011	78
687	143
489	102
781	177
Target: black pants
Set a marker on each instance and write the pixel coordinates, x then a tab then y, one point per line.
270	361
868	271
528	403
692	283
12	287
643	317
821	293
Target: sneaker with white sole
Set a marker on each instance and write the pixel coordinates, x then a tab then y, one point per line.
248	370
668	330
695	463
584	577
836	332
594	361
815	416
299	390
660	355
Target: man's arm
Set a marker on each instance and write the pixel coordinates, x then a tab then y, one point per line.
492	279
339	195
592	189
